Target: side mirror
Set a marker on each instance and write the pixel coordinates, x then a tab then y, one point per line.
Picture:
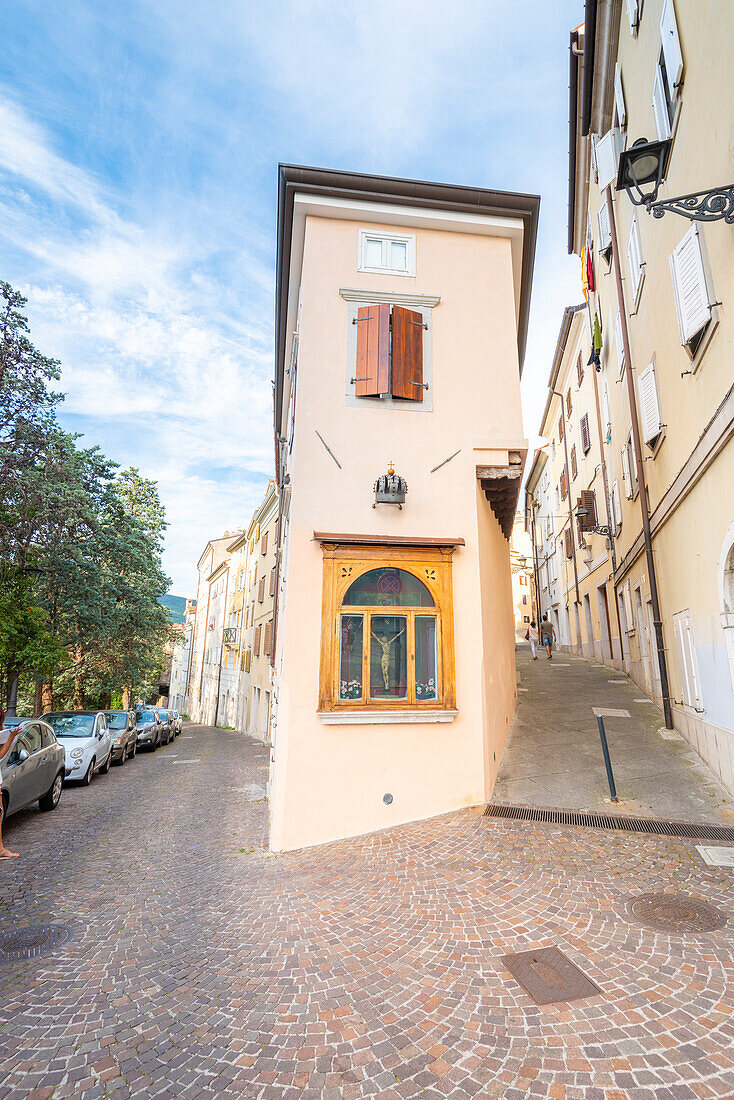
22	755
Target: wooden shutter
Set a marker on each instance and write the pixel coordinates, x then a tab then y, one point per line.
248	660
634	257
660	106
407	354
261	589
633	16
568	539
619	96
619	341
580	368
650	420
273	573
574	464
569	405
605	229
588	501
585	434
372	369
564	484
671	48
689	285
256	643
560	429
267	640
264	543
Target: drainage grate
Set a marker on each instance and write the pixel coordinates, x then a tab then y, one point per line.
549	976
591	820
34	941
675	913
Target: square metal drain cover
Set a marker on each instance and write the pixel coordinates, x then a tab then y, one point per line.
548	976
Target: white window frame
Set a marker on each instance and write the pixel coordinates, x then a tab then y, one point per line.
387	239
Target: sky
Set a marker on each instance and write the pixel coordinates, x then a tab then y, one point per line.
139	145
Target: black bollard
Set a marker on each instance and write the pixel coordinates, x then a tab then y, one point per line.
607	761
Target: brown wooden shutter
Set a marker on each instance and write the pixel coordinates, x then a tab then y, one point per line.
560	429
372	374
569	406
264	544
256	643
248	658
268	638
580	368
407	354
588	501
272	581
568	537
564	484
261	589
574	464
585	434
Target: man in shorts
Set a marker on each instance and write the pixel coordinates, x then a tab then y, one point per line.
547	635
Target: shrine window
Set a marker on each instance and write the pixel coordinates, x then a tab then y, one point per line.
387	632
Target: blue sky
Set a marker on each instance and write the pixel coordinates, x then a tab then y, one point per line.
138	152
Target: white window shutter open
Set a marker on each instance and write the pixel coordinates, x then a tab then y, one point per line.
594	140
618	340
605	405
689	285
650	420
634	256
605	229
690	688
671	48
626	474
632	16
607	157
660	106
619	96
616	504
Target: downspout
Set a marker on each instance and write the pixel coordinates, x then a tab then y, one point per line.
642	485
535	563
221	649
568	495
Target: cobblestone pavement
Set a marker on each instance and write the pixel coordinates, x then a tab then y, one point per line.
553	756
202	966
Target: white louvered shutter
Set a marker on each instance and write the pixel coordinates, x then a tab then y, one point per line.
633	460
616	504
689	285
671	48
650	420
690	688
618	340
594	139
660	106
619	96
605	406
634	256
605	229
632	16
607	157
626	474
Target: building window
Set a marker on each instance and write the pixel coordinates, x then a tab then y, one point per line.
580	368
387	630
391	252
651	424
264	544
629	468
692	300
585	434
569	405
389	355
560	429
574	464
668	74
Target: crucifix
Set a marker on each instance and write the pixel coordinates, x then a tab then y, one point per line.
386	644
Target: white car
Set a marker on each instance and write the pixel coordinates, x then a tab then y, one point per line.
86	741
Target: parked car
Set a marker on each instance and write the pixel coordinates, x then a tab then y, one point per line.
86	739
167	731
32	766
148	728
11	723
179	722
122	727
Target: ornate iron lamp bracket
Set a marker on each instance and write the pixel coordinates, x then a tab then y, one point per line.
700	206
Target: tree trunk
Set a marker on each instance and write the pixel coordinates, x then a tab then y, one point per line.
13	682
126	692
38	699
47	696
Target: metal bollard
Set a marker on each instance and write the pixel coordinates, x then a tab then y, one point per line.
607	761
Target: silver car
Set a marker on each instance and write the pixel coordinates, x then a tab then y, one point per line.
31	766
86	739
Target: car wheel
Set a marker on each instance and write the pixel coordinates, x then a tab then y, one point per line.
107	764
50	800
133	750
89	774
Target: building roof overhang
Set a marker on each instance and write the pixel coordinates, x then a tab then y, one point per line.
328	538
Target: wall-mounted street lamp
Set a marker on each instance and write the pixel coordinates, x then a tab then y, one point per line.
641	170
600	529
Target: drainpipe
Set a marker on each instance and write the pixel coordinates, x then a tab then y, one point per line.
535	562
568	495
642	485
221	649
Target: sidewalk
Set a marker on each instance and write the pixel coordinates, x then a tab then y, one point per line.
553	756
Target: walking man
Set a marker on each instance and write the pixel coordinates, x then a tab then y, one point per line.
547	635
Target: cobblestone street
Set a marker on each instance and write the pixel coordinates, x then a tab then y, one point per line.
201	966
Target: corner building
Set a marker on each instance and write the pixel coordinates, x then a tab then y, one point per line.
401	316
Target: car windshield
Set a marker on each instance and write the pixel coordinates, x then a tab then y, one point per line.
116	721
71	725
145	717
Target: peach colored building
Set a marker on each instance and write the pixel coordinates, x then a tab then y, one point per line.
401	319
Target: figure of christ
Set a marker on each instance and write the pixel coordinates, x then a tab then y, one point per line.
386	644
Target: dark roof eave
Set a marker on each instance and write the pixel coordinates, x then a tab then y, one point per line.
587	80
574	64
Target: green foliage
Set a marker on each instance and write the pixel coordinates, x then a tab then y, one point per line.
80	545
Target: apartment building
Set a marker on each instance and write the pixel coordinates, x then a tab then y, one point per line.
262	536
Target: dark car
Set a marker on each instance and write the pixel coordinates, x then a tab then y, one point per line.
31	766
148	728
167	730
122	727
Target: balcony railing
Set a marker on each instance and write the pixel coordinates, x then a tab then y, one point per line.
230	635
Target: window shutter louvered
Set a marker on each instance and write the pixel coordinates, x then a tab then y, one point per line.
616	504
689	285
273	573
580	368
574	464
605	229
568	539
687	659
588	501
626	474
671	48
632	15
619	96
373	351
569	406
261	589
407	354
619	341
660	106
594	143
560	429
267	640
650	421
264	543
634	256
605	406
607	157
585	434
256	643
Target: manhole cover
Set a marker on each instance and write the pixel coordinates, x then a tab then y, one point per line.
675	913
548	976
29	943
